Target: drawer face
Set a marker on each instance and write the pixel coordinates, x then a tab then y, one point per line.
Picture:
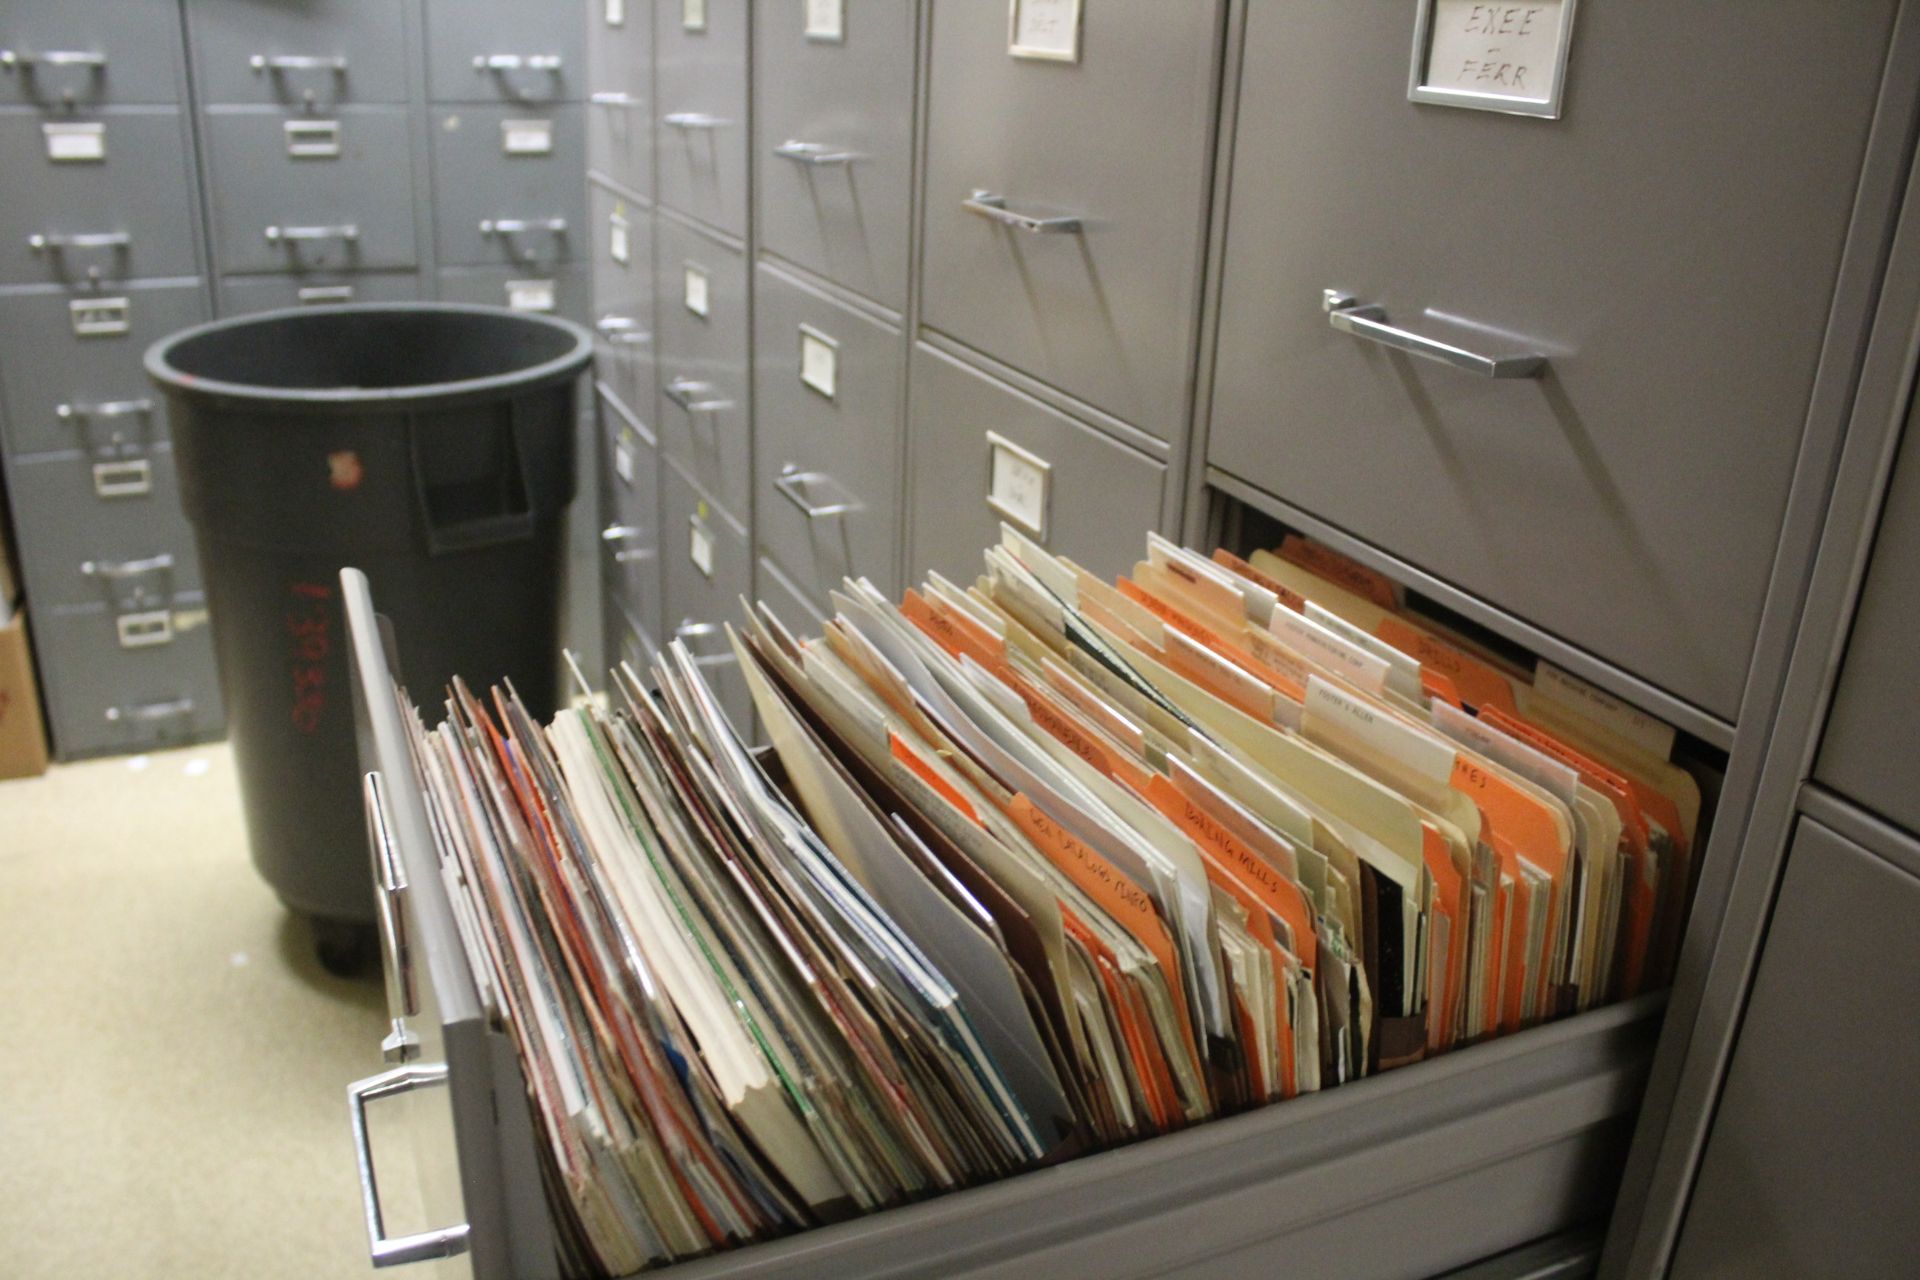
700	113
1873	728
630	515
1682	339
705	570
103	698
802	615
703	360
507	184
1118	139
126	53
623	299
84	351
620	142
242	294
563	291
276	211
620	114
827	390
817	101
628	641
310	55
81	520
504	51
1850	1123
984	453
111	218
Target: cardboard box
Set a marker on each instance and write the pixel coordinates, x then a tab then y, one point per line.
23	731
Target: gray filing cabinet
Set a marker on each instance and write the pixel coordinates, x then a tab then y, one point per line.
702	327
700	110
100	255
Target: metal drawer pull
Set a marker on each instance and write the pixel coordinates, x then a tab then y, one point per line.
624	330
1366	320
517	62
694	120
790	483
515	226
613	99
994	207
390	885
695	397
346	231
13	58
814	153
105	409
95	240
120	570
617	533
297	62
150	712
689	630
319	294
128	479
398	1251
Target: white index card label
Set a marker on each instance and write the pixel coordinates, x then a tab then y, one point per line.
695	291
826	20
527	137
700	546
530	295
75	143
100	317
1506	56
1045	29
1017	483
819	361
619	231
616	13
693	15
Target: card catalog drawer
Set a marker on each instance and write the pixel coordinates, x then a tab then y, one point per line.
242	294
701	321
103	200
984	453
309	56
305	195
623	298
630	512
503	51
86	53
82	521
833	140
1872	736
827	390
1790	1188
700	110
1628	497
706	570
507	184
554	290
81	352
1066	205
104	699
620	112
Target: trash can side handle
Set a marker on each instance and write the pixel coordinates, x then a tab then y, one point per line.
447	537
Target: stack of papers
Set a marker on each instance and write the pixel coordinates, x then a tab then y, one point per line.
1031	866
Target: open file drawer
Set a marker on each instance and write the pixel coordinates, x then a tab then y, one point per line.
1407	1173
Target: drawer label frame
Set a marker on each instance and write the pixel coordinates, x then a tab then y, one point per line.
75	141
1044	30
826	21
1508	56
101	317
1019	484
819	362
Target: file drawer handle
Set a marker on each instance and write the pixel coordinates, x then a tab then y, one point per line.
48	243
345	231
791	483
105	409
993	207
1369	321
390	887
518	226
550	62
694	120
814	153
121	570
695	397
319	294
145	713
623	330
614	534
689	631
278	62
613	99
13	59
396	1251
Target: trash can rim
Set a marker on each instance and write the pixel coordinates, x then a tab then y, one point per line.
162	371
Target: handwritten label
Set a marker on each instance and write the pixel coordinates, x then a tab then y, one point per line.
819	360
1046	29
694	292
1017	484
309	623
530	295
1636	726
1325	562
1376	731
527	137
826	20
73	143
1509	51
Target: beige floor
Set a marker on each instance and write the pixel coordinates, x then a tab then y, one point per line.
173	1062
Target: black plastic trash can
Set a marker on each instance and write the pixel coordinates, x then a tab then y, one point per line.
431	446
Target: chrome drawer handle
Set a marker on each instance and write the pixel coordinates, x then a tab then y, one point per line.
613	99
817	153
517	226
150	712
694	120
277	62
345	231
695	397
1369	321
120	570
390	887
624	330
994	208
396	1251
13	59
320	294
105	409
46	243
790	484
689	631
615	534
517	62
